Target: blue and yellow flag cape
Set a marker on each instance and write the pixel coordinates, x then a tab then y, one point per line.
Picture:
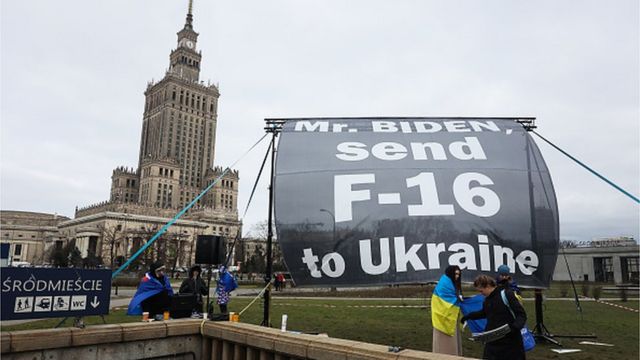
227	282
148	287
472	304
445	306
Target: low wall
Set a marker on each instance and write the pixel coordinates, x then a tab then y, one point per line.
191	339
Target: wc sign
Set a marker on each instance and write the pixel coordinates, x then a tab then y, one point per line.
33	293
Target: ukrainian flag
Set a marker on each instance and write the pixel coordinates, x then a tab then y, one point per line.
445	306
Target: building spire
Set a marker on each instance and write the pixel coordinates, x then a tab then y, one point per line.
189	23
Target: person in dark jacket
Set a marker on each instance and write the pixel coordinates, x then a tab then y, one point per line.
497	314
195	285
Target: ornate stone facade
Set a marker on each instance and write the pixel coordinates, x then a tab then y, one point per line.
29	234
175	164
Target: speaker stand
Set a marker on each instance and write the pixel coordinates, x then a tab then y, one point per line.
540	331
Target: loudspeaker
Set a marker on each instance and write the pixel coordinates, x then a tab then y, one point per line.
182	305
210	250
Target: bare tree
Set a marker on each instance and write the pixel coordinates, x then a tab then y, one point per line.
66	256
568	244
147	257
260	231
109	237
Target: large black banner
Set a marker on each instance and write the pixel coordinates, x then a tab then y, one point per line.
396	200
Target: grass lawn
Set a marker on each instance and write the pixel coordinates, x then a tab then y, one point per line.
410	327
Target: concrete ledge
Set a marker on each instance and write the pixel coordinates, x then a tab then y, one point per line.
40	339
183	327
185	339
264	339
423	355
294	345
92	335
365	351
144	331
213	329
6	342
234	333
326	348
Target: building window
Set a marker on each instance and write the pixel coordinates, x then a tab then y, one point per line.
630	270
603	268
17	250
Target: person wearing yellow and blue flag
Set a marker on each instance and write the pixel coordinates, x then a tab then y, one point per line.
445	309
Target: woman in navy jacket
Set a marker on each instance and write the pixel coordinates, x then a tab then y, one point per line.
497	313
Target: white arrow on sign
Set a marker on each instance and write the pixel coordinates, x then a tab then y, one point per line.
95	302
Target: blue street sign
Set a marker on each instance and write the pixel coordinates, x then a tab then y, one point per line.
33	293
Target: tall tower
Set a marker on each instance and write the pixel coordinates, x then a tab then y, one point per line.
175	164
178	127
185	61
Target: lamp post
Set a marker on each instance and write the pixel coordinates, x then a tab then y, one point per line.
123	232
333	218
112	243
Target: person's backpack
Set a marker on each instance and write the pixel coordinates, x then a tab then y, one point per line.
527	337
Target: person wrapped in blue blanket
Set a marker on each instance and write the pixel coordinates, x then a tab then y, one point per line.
226	284
153	294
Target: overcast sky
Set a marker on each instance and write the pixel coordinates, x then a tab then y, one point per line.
74	73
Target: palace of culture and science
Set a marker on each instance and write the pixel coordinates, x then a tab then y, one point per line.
177	149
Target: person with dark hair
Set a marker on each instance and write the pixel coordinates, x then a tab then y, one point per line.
280	280
500	307
153	294
445	309
276	282
195	285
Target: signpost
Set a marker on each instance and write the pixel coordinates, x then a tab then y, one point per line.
33	293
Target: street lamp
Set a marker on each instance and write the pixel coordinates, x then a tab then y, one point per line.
333	218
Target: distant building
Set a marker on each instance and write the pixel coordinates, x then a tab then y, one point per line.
613	242
29	234
175	163
614	261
